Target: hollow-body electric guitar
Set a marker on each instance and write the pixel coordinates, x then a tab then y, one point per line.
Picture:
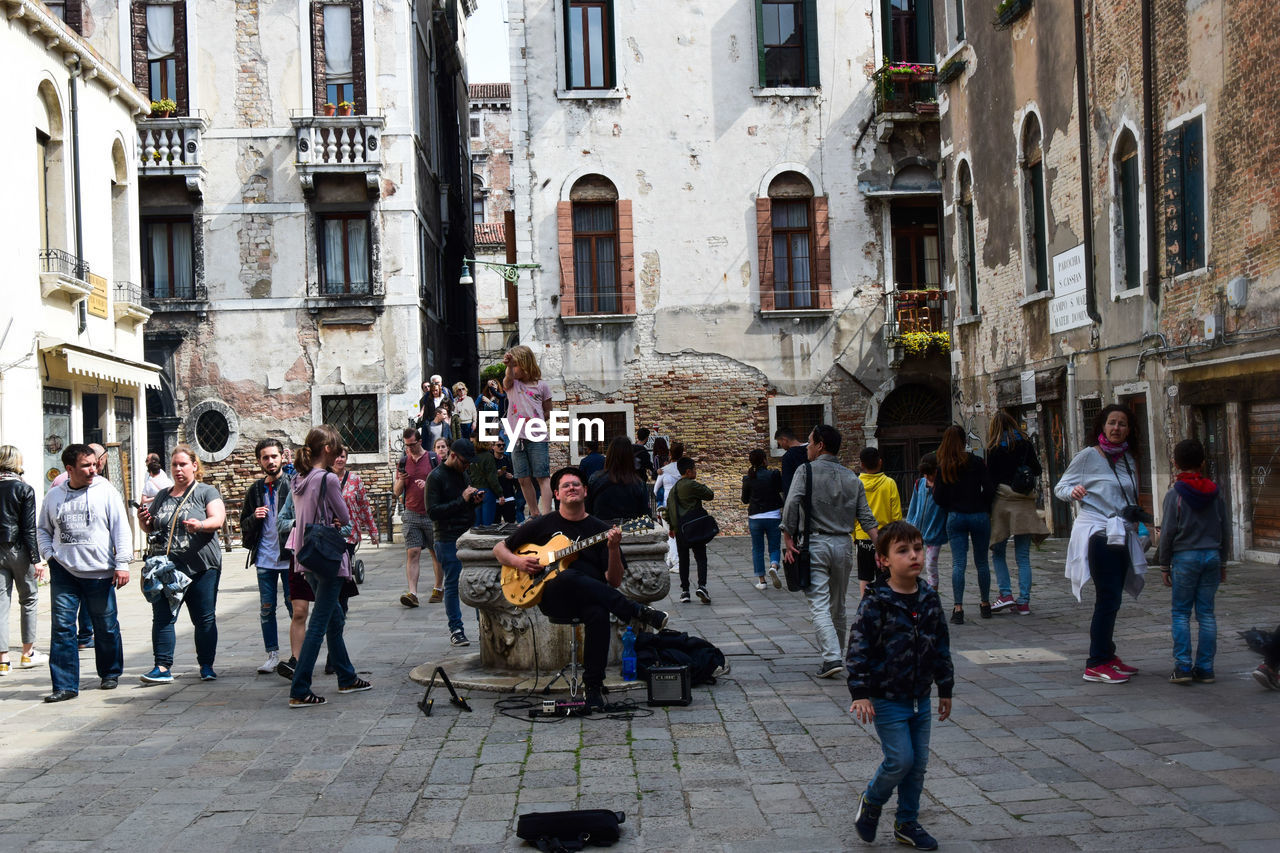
525	590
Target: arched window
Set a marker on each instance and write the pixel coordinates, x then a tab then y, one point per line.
1035	224
1126	206
795	261
968	283
478	193
50	172
595	246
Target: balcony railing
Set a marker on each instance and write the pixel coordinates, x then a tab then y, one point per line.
338	144
172	146
908	311
907	88
63	271
191	296
129	303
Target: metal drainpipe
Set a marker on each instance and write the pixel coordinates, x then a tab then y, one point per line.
1086	170
81	269
1149	120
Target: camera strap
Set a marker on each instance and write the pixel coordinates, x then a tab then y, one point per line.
1133	476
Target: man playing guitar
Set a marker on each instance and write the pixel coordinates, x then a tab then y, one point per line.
587	588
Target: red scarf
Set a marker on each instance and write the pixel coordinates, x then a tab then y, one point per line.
1198	481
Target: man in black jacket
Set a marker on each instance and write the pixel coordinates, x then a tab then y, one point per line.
451	503
259	533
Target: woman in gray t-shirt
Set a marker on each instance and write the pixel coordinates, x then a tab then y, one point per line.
184	521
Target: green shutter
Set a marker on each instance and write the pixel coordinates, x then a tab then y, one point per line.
924	32
1172	173
1193	194
610	61
1129	218
811	43
760	42
568	52
886	32
1039	227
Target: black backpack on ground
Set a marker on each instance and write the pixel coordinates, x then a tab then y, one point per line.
553	832
676	648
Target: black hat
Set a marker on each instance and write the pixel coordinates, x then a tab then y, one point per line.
463	449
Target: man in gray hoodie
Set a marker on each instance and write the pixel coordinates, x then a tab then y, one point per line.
84	535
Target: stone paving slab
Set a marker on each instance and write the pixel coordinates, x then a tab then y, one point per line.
767	760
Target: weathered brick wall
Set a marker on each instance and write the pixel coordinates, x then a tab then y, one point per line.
253	95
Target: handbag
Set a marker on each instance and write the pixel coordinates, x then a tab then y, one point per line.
322	545
697	527
796	570
570	830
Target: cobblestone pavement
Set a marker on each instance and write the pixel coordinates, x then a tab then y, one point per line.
768	759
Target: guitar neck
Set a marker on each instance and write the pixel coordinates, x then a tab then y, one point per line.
557	556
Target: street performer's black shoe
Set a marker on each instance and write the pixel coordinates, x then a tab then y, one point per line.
655	619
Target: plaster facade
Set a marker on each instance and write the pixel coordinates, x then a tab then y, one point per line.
491	156
692	143
71	327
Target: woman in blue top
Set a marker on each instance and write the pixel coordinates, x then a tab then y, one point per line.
762	493
928	517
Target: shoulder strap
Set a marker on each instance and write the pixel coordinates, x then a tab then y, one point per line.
808	501
173	522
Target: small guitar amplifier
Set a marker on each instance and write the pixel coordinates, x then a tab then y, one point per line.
669	685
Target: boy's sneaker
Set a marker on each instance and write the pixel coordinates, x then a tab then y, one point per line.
1180	676
1004	602
912	834
36	658
830	668
984	610
157	676
701	592
1202	676
1105	673
1122	667
1023	609
684	597
459	638
866	820
1266	676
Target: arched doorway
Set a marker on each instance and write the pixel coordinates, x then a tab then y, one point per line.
910	425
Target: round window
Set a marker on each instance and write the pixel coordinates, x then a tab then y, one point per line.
213	431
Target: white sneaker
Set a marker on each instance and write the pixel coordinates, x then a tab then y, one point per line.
270	664
759	583
36	658
774	576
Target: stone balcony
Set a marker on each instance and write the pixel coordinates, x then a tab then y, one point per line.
129	304
338	145
171	147
63	272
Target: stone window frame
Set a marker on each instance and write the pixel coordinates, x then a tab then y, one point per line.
138	37
172	214
966	241
358	75
626	248
781	401
72	14
610	82
808	48
316	211
1033	221
206	454
586	410
1117	230
820	251
380	390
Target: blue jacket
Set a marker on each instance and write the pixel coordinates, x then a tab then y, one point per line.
929	518
898	647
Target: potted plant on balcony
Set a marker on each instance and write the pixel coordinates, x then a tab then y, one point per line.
330	109
1009	11
163	108
345	108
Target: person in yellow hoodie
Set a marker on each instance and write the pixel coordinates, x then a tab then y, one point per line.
882	494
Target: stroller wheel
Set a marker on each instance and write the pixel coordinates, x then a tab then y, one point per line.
357	571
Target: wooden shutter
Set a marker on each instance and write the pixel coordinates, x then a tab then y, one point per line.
811	43
764	249
1263	438
924	32
1193	194
610	61
74	14
512	292
180	57
317	57
822	251
568	39
357	59
886	31
760	43
138	35
626	258
564	238
1172	172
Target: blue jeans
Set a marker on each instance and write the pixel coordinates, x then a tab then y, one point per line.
762	528
97	596
961	526
903	728
1196	575
488	510
267	581
1022	554
325	624
201	600
84	633
447	554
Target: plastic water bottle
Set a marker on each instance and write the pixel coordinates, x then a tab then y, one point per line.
629	654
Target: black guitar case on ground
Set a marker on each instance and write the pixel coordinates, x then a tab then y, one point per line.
554	832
